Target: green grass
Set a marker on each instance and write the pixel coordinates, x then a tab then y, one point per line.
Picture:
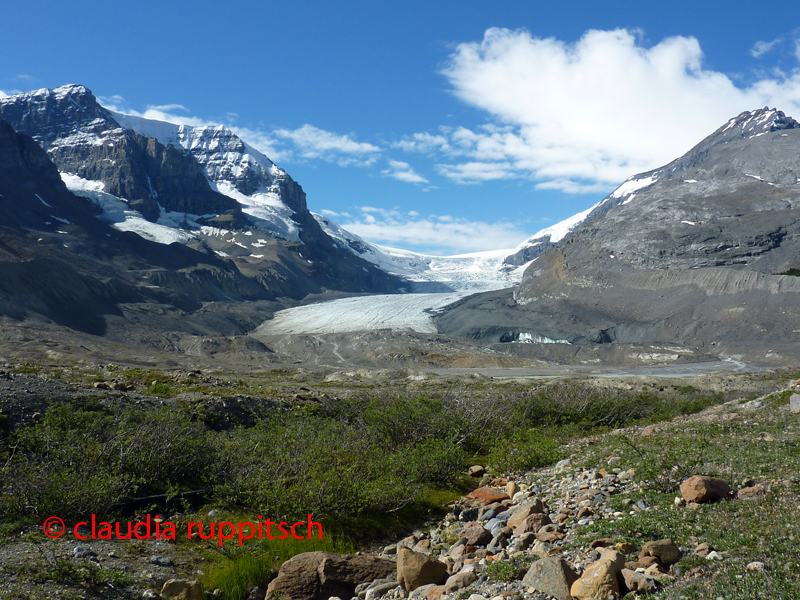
763	529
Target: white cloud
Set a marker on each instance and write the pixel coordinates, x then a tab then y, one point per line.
402	171
582	116
797	49
315	143
760	48
475	172
444	233
3	94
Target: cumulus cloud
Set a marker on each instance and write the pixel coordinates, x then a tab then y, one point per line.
760	48
402	171
582	116
440	234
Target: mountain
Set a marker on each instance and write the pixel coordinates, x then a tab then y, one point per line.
697	253
472	272
154	214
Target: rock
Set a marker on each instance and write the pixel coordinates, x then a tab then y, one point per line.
637	582
751	492
702	489
435	592
664	550
415	569
161	561
755	566
585	512
486	495
627	475
541	549
552	576
476	471
550	536
563	465
601	543
320	575
459	581
378	590
600	580
625	547
422	591
648	431
150	595
182	589
476	535
794	403
703	549
523	512
257	593
714	555
524	541
532	523
512	488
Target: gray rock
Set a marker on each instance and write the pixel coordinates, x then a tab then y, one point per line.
83	552
161	561
552	576
794	403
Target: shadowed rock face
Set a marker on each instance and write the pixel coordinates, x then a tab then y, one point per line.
688	254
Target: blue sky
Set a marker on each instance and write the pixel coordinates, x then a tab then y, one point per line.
445	127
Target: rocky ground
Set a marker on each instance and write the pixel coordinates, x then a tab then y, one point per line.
609	519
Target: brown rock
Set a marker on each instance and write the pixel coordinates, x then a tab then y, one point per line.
637	582
532	523
751	492
435	592
530	507
486	495
415	569
702	489
512	488
601	543
551	576
320	575
476	535
562	518
664	550
648	431
703	549
585	512
625	547
550	536
182	589
647	561
600	580
476	471
459	581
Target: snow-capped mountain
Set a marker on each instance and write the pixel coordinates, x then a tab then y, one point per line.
473	272
202	187
698	253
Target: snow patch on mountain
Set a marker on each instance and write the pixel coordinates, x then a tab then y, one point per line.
119	215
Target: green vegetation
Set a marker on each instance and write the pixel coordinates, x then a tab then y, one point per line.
742	447
794	272
370	463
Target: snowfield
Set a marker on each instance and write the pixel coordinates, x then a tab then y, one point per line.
365	313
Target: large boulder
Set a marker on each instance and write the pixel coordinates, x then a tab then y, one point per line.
552	576
477	535
523	512
702	489
600	580
415	569
320	575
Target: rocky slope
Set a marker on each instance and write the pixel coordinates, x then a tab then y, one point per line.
690	254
